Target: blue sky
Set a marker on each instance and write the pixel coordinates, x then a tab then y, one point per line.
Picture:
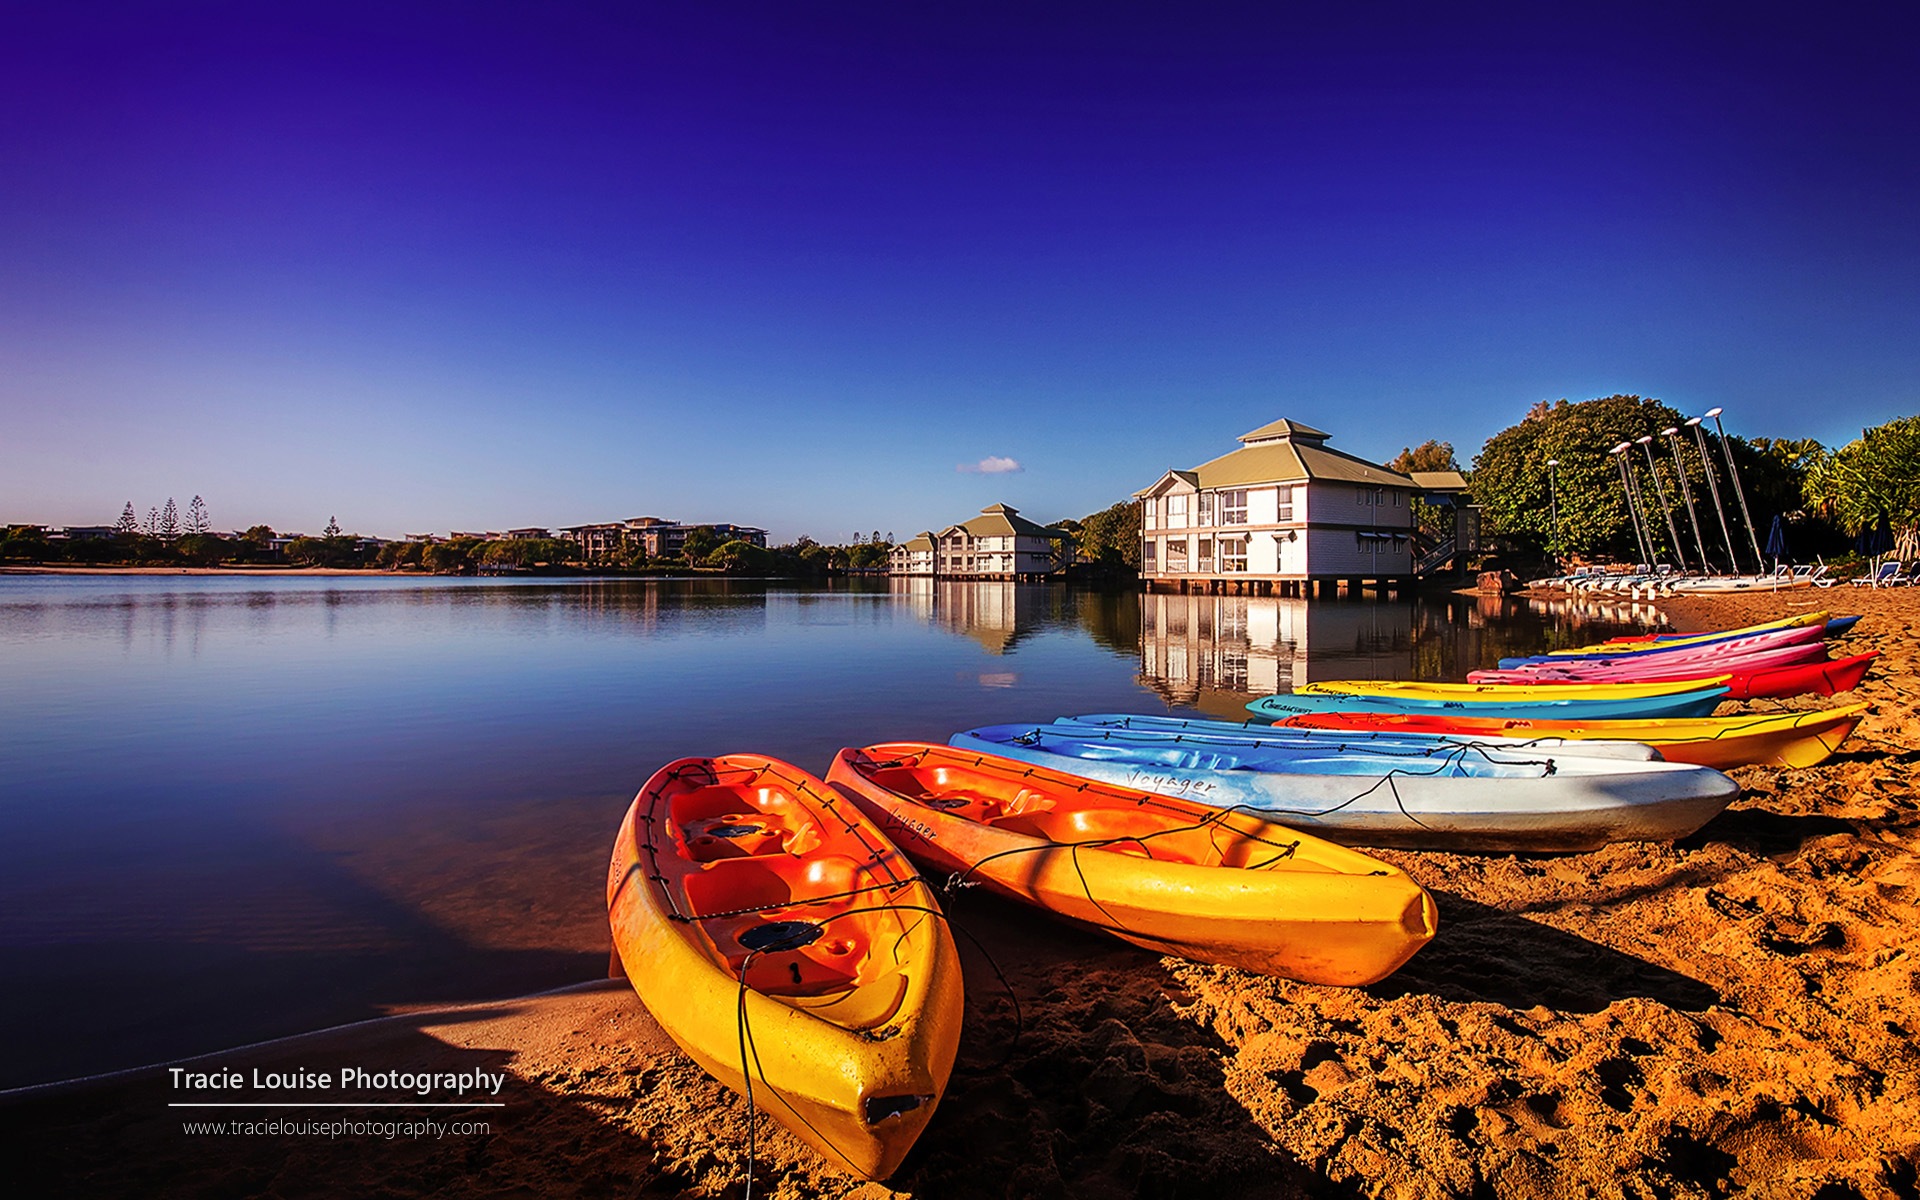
470	265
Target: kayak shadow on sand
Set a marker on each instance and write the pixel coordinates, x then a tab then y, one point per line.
1485	954
1079	1077
1765	833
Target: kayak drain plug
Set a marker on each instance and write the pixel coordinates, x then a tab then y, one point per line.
879	1108
774	936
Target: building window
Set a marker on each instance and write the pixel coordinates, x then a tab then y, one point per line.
1203	509
1176	555
1147	555
1233	555
1206	554
1176	512
1396	499
1286	502
1233	507
1359	495
1150	513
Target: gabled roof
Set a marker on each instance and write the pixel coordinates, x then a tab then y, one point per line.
1289	452
922	541
1000	520
1186	477
1284	428
1438	481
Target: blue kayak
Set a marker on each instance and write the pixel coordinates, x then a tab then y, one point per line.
1698	703
1468	797
1267	734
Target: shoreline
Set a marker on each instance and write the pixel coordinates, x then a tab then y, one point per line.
1732	1012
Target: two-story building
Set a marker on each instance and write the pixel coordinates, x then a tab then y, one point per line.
1282	514
997	544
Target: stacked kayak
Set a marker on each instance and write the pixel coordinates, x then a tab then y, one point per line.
1169	875
1446	796
1811	628
1792	739
1835	627
1774	661
791	950
1328	741
1684	698
1766	675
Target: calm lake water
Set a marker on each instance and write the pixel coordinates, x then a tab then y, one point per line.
237	808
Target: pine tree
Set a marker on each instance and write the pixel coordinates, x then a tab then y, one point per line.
170	521
128	524
197	521
333	527
153	522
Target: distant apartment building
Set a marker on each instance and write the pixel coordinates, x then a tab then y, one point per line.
656	536
997	544
1283	513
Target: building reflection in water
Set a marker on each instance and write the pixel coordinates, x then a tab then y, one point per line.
1215	653
996	614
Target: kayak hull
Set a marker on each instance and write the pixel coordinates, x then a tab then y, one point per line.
1168	875
1461	798
764	922
1819	676
1699	703
1771	739
1720	645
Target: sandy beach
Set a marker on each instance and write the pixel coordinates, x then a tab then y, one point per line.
1734	1014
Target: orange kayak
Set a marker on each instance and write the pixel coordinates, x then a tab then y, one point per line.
1170	875
766	923
1790	739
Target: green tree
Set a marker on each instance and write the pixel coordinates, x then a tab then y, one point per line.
128	524
741	558
332	530
1510	476
203	549
197	520
1429	455
701	541
170	521
1875	475
1108	541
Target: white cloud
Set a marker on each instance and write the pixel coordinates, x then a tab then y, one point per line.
992	464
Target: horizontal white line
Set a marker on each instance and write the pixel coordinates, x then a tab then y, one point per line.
316	1104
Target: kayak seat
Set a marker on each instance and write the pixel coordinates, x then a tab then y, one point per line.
1163	837
710	824
785	918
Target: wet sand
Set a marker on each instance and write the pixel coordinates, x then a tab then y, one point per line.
1734	1014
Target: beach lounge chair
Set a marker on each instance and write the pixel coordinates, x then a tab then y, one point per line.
1879	577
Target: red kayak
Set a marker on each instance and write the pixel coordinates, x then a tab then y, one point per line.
1819	677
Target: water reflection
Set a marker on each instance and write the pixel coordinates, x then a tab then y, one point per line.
1215	653
406	787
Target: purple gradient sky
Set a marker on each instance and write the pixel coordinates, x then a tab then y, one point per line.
474	265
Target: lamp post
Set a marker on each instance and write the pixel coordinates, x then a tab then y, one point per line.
1553	508
1706	466
1672	434
1733	472
1633	509
1660	490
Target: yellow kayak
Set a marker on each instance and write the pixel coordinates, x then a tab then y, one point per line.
791	950
1792	739
1804	619
1175	876
1410	690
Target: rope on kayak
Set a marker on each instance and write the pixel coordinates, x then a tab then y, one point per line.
750	1063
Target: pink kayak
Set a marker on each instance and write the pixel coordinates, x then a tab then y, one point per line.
1710	653
1815	676
1656	670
